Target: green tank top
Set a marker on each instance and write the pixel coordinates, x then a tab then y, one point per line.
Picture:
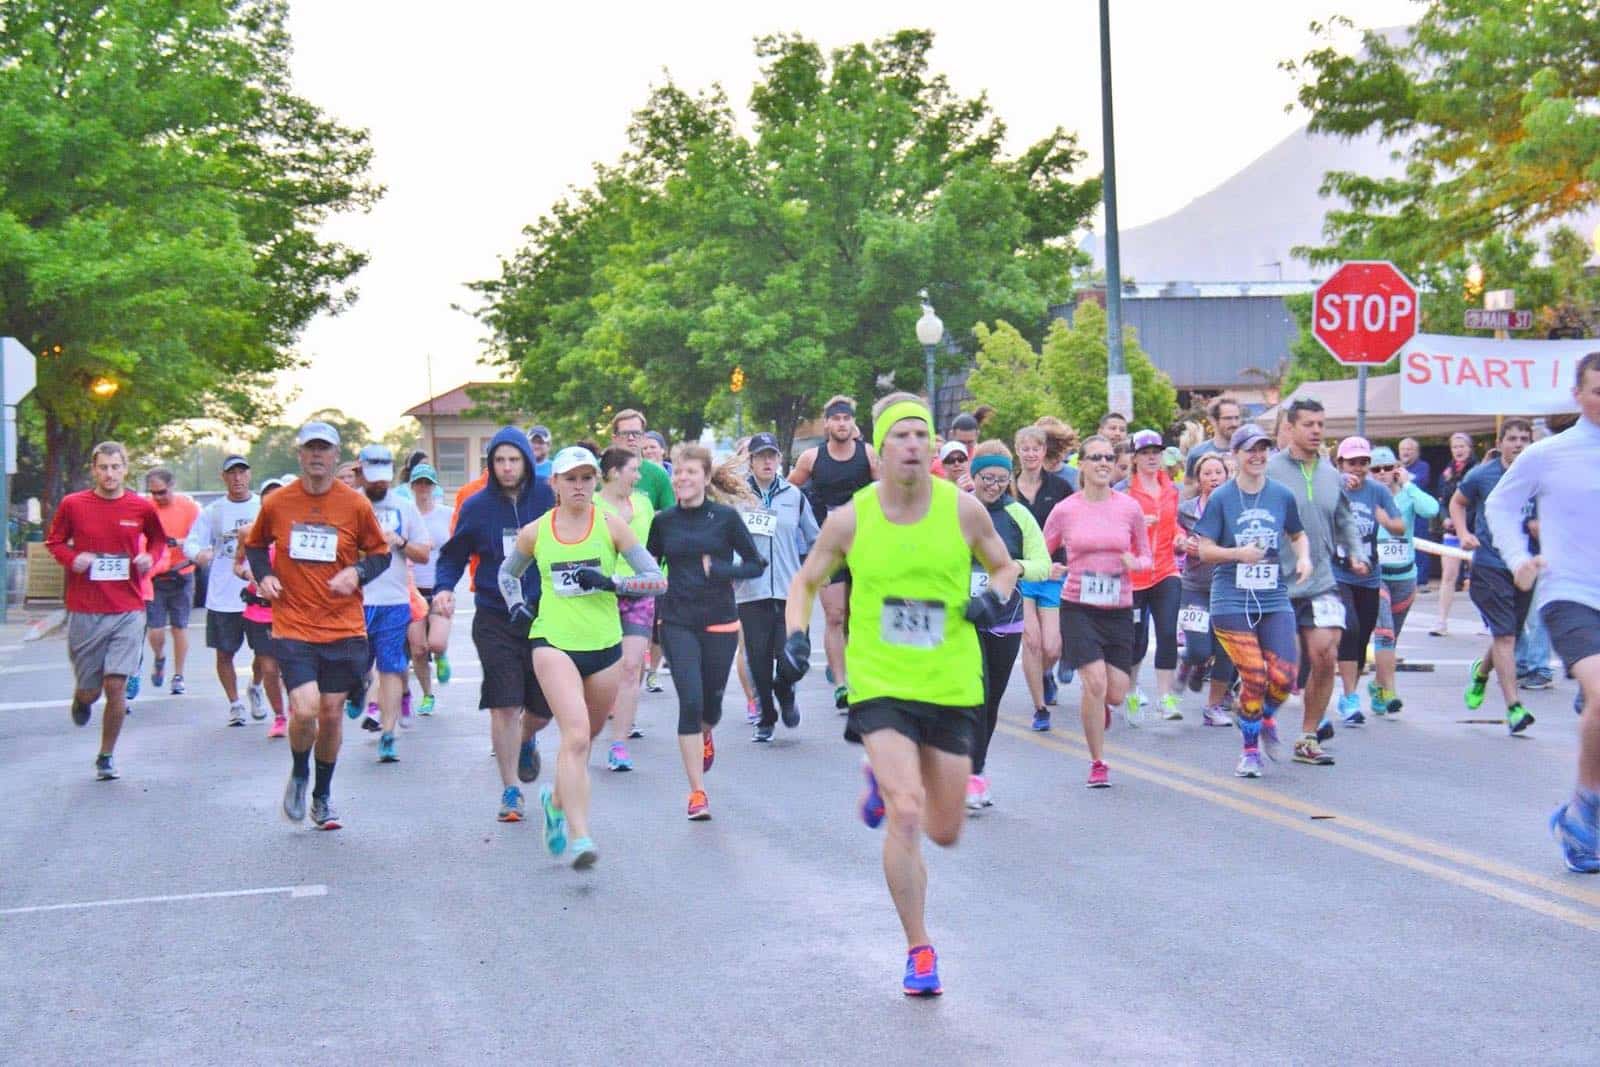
572	618
644	514
909	637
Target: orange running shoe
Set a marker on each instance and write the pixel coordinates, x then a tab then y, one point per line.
699	807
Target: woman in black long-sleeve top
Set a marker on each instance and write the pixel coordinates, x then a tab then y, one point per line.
698	540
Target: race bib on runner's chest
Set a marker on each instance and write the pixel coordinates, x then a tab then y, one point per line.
1394	553
1101	590
912	623
311	542
109	569
1196	620
564	576
1257	576
761	522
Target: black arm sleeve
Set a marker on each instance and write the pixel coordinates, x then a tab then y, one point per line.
372	566
260	562
751	564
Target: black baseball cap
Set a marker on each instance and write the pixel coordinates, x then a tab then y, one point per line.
234	461
763	442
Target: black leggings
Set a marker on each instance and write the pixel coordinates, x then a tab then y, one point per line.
1360	619
763	638
1160	601
999	655
700	662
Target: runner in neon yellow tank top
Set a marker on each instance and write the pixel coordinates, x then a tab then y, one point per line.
577	638
915	670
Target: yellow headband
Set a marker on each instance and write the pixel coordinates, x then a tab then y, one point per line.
900	409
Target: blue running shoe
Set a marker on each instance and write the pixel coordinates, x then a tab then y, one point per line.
511	807
1350	710
584	854
1578	840
555	822
352	710
159	674
922	972
1049	691
386	752
528	761
1063	672
133	687
1041	720
871	800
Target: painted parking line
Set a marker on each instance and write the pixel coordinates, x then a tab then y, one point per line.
1267	805
292	891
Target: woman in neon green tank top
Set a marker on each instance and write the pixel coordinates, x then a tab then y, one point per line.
619	473
577	636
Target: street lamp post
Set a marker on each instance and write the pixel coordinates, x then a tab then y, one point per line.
930	331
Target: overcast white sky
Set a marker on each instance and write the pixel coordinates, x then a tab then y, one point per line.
482	114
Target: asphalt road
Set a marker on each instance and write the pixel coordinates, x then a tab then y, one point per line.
1404	905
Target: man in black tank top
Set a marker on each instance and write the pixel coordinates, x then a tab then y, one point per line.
830	474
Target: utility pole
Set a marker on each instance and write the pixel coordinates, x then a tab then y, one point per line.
1118	385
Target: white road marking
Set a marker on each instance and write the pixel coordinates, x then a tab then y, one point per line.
292	891
33	668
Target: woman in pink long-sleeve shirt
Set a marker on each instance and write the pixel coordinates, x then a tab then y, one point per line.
1103	533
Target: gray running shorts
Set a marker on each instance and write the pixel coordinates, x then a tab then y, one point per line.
101	645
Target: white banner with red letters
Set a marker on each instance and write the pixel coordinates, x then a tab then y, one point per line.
1441	375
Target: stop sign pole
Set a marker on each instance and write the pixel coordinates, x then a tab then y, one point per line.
1363	315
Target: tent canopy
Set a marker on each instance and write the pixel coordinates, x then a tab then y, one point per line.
1385	419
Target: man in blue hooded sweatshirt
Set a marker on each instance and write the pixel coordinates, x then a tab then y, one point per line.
488	526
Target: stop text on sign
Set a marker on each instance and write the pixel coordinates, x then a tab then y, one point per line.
1366	312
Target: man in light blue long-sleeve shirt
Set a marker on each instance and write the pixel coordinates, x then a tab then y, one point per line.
1558	473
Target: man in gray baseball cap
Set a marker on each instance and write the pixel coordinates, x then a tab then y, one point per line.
317	431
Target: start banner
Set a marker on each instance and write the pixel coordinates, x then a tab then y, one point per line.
1441	375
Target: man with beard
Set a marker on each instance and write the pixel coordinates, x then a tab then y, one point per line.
387	599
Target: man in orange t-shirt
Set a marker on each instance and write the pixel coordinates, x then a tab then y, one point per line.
329	545
171	579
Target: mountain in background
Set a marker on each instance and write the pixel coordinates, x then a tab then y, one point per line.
1243	229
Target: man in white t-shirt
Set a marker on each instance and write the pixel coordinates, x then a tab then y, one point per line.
387	598
212	543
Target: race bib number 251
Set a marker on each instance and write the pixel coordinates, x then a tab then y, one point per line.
912	623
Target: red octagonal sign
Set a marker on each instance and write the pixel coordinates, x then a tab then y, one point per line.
1365	313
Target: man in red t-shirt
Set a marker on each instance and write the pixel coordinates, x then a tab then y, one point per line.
104	537
171	579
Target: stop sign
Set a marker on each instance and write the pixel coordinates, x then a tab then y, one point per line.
1365	312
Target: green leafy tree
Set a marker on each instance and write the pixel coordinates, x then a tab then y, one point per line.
796	253
161	212
1009	376
1074	359
1495	105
